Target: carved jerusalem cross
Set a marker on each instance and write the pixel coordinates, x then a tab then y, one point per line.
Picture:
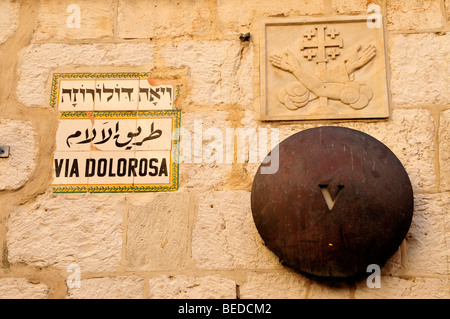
321	43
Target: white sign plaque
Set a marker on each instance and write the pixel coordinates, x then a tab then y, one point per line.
118	132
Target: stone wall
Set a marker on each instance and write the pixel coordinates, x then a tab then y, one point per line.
200	241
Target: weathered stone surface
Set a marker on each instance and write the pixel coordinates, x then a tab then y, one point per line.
203	149
158	245
219	72
18	167
39	60
417	64
157	232
336	290
9	19
161	18
353	6
192	287
225	236
447	8
414	15
444	150
22	288
398	288
427	244
236	16
60	229
122	287
409	133
393	264
285	285
56	20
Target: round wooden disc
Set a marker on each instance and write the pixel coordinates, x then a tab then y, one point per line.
340	201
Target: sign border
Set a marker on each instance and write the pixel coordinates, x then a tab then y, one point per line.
173	185
99	76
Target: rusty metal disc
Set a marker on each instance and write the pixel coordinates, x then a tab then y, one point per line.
340	201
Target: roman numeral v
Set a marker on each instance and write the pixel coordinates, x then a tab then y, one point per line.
327	196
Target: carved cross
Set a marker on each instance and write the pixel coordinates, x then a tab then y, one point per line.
309	54
309	34
333	52
321	43
332	33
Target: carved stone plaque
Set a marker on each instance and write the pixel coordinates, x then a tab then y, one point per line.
323	68
339	202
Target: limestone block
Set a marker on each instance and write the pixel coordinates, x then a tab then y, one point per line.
122	287
354	6
410	136
158	231
192	287
264	140
237	16
22	288
427	244
161	18
9	19
203	149
39	60
417	64
279	285
413	15
337	290
18	167
225	236
61	229
56	20
398	288
444	150
393	265
219	72
447	8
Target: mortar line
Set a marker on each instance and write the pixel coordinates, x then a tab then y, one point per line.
442	29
